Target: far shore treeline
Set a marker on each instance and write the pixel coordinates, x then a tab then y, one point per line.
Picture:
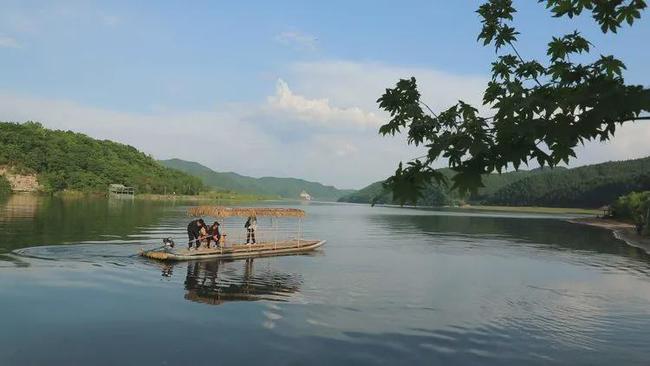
589	186
64	160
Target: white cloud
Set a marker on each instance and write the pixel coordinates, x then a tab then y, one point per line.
361	83
318	111
630	142
8	42
218	139
297	39
325	130
228	140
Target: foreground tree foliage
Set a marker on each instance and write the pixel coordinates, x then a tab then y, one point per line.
65	160
542	111
635	207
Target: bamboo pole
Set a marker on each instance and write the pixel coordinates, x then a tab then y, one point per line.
275	233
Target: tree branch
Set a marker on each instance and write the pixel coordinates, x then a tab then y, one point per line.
432	112
522	60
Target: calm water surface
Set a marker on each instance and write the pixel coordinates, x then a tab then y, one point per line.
392	286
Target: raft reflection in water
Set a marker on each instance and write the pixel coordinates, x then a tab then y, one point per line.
215	282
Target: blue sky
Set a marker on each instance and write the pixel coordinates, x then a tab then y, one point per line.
283	88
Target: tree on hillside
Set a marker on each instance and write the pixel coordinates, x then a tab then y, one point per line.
542	111
65	160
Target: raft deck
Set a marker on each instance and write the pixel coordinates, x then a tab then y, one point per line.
287	247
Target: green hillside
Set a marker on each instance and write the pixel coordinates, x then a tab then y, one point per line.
270	186
434	194
588	186
64	160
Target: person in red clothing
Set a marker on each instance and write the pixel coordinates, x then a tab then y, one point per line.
214	234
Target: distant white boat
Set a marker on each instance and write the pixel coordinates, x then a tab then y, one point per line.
305	196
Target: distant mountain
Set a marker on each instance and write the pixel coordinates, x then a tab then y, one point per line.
283	187
586	186
374	192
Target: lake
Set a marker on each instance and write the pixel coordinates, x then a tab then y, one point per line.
391	286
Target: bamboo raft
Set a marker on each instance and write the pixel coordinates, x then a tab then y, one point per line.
269	248
236	251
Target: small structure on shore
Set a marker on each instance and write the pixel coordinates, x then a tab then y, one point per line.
305	196
120	191
607	211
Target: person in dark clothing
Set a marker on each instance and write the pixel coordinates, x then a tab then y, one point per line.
251	226
214	234
194	233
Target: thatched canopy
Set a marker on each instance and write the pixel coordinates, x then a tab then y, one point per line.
220	211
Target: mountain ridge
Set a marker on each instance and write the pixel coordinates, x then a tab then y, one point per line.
591	186
273	186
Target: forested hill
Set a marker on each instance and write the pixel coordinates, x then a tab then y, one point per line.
587	186
435	195
283	187
67	160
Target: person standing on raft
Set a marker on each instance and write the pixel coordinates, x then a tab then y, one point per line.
251	226
194	233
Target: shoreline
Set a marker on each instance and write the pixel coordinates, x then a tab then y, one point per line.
203	196
510	209
621	231
229	197
532	209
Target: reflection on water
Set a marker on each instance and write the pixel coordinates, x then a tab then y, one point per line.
522	233
392	286
33	220
18	206
216	282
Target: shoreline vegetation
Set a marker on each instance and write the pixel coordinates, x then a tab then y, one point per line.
201	197
532	209
622	230
513	209
206	196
